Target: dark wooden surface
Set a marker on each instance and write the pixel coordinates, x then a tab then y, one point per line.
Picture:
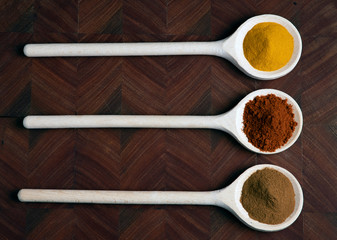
154	159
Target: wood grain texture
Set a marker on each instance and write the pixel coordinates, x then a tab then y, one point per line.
56	16
100	16
154	159
17	16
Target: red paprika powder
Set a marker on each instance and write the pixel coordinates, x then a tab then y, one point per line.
268	122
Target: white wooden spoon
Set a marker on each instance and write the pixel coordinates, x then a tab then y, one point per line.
230	48
228	198
230	122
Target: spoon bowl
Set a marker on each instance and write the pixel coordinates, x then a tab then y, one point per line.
237	209
228	198
230	48
230	122
233	46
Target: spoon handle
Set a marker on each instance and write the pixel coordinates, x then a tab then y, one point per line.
122	49
119	121
116	197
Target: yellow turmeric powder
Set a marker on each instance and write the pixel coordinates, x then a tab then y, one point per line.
268	46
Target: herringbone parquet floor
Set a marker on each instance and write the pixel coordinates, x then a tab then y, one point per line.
154	159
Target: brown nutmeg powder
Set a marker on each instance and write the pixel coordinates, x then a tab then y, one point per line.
268	122
268	196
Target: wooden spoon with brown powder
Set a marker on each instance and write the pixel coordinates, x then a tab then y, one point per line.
228	198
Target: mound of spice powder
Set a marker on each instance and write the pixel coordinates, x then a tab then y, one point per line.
268	196
268	122
268	46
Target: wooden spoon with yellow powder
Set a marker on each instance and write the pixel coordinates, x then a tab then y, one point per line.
277	53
